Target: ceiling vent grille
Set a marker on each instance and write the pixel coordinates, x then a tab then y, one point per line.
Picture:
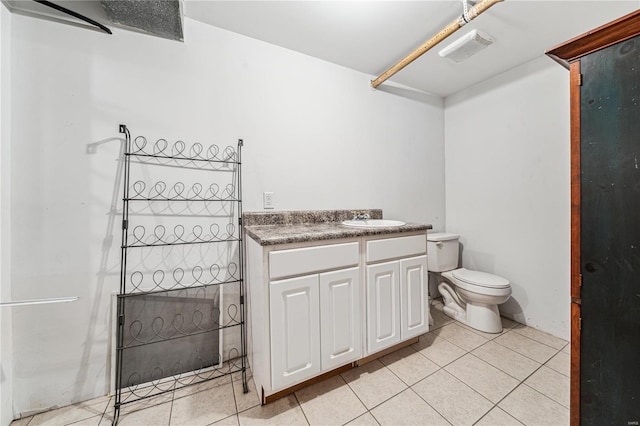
466	46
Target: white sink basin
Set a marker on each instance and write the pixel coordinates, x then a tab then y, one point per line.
373	223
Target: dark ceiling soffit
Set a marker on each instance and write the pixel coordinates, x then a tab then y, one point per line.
161	18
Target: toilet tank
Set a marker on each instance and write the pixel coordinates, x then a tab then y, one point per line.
442	251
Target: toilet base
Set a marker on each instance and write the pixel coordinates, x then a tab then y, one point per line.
484	317
480	316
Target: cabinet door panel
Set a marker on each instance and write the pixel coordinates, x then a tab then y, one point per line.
383	306
413	297
295	330
340	330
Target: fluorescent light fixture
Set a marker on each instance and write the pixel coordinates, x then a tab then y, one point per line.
466	46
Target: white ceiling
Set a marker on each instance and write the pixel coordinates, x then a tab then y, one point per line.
370	36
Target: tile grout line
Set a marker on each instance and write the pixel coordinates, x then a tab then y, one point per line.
557	350
551	368
104	414
435	327
504	397
478	392
173	398
225	418
449	341
465	384
469	330
235	400
516	352
443	369
356	394
379	404
238	411
538	341
521	384
496	407
432	407
411	387
301	409
546	396
453	360
374	418
524	384
400	378
357	417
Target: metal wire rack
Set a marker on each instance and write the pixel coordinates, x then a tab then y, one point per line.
180	308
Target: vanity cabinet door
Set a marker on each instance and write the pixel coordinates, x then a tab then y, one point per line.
340	321
414	300
295	330
383	305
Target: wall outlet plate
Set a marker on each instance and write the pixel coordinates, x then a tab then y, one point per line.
268	200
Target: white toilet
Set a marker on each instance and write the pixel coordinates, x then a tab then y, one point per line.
470	297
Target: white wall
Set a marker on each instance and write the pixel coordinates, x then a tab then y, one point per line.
507	187
315	134
6	361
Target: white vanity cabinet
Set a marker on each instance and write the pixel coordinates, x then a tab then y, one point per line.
310	299
396	291
315	325
315	307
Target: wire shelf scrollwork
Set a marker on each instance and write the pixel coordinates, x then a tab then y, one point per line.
160	191
158	330
161	150
197	235
178	278
142	386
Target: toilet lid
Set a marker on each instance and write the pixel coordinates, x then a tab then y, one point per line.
480	278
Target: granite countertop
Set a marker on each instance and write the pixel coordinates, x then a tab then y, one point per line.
303	226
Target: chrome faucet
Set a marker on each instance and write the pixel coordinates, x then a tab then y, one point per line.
359	215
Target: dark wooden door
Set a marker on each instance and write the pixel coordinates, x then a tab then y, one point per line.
610	235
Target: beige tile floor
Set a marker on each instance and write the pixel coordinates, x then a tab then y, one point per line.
453	376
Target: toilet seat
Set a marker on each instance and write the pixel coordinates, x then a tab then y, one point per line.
481	279
492	285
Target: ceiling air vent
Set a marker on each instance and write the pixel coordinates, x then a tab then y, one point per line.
466	46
